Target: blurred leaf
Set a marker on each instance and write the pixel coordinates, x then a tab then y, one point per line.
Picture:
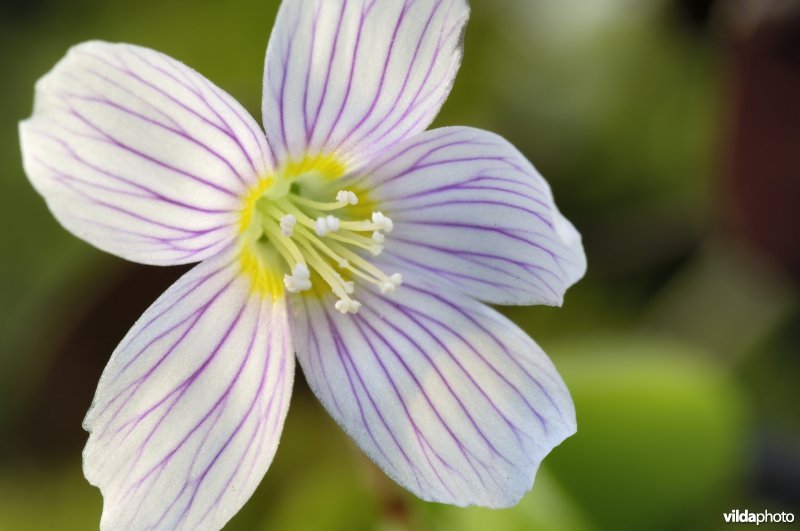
660	433
728	299
38	499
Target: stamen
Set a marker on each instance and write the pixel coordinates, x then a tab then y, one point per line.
327	224
364	269
287	225
379	222
343	199
392	284
349	286
360	226
285	246
348	306
299	280
385	224
334	279
346	197
358	240
386	287
310	240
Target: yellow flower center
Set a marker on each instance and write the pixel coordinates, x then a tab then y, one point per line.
296	240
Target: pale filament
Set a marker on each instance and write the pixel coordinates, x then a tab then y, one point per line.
311	239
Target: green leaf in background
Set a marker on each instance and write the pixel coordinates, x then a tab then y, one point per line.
36	498
660	433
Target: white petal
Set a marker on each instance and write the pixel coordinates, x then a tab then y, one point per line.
470	209
352	77
451	399
140	155
189	410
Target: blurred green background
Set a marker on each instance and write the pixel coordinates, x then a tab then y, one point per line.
669	131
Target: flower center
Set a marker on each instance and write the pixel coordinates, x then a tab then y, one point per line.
317	243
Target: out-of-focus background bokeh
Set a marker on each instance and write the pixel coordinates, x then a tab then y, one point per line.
670	132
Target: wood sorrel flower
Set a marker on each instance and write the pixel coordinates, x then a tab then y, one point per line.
342	233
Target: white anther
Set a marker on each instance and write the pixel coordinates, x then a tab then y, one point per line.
387	288
322	227
384	223
379	240
327	224
301	271
299	280
287	225
347	306
346	197
296	285
394	282
349	287
343	264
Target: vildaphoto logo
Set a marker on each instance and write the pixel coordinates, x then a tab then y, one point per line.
746	517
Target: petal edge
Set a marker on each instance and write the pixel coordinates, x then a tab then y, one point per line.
188	412
470	210
140	155
351	77
448	397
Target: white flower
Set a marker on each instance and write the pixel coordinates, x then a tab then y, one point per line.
342	233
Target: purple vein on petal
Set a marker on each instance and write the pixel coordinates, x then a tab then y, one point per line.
498	342
191	84
424	81
219	404
115	142
119	178
334	49
309	64
353	63
224	128
468	455
182	134
395	105
351	370
410	314
376	96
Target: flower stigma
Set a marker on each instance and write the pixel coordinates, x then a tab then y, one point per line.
314	242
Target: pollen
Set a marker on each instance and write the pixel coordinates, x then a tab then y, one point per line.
348	306
346	197
299	280
383	223
287	224
327	224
